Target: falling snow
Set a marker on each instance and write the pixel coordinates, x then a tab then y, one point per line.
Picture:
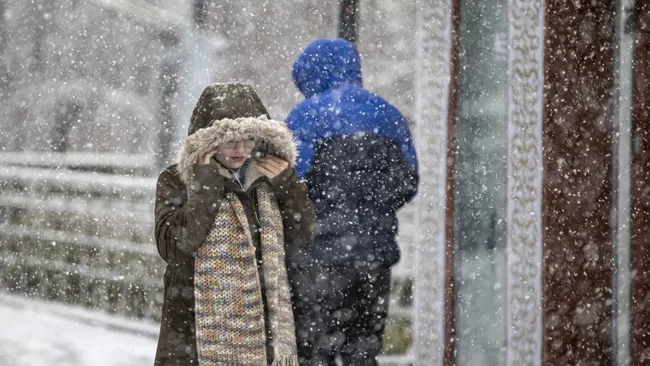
525	125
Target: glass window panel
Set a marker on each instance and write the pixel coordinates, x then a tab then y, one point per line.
480	195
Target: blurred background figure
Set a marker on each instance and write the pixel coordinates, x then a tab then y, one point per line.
357	156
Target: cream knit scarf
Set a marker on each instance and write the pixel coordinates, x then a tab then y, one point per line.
230	327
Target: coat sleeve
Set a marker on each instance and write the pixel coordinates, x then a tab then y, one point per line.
395	184
184	215
298	215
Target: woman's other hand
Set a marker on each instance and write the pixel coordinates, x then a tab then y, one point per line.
271	166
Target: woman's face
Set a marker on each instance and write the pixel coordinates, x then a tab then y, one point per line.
233	154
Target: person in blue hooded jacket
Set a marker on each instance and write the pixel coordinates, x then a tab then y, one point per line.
357	156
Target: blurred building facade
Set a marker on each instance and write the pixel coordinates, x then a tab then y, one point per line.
84	75
117	76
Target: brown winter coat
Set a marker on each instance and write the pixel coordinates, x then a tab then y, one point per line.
185	213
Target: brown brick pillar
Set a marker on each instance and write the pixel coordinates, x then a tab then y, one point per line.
577	190
641	188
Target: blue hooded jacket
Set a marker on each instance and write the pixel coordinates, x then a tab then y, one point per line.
356	153
328	74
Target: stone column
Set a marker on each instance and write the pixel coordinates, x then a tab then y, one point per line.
433	133
524	203
641	187
577	185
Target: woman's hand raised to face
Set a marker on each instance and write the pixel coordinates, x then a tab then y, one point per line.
271	166
205	159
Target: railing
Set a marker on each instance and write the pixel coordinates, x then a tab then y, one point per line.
71	234
77	236
118	164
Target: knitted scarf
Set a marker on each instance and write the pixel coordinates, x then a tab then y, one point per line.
230	327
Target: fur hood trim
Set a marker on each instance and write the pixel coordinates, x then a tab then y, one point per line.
276	134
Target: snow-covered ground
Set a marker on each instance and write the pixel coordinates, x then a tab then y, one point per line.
33	333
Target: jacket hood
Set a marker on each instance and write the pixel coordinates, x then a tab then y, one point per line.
232	112
275	134
326	64
225	100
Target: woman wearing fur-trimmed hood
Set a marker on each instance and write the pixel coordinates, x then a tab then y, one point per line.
230	215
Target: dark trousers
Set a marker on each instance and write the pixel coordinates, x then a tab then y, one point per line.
354	305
